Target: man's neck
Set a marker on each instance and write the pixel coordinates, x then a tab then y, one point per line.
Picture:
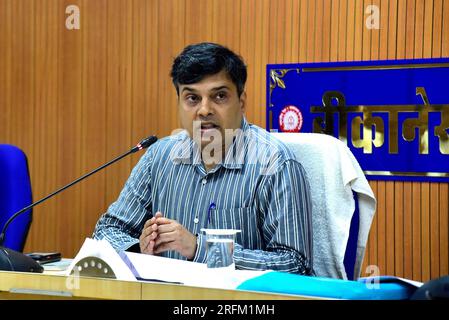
208	167
212	163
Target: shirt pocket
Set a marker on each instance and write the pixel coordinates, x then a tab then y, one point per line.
244	219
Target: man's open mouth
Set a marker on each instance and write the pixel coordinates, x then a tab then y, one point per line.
208	126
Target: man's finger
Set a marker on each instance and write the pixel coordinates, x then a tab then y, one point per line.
158	215
164	238
151	247
153	235
162	220
146	232
152	219
164	228
143	245
164	247
149	222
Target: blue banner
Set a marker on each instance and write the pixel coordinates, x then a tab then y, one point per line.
393	115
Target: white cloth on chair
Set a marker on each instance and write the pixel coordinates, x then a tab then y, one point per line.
334	174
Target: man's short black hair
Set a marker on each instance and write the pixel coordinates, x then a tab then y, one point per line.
203	59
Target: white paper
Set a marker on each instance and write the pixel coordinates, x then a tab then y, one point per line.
381	279
103	250
129	266
188	273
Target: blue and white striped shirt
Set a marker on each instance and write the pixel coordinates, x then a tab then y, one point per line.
260	189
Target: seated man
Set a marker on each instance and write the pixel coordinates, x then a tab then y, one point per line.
218	172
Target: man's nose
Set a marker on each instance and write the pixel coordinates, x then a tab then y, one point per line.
206	108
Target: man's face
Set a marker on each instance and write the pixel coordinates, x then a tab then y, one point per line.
213	104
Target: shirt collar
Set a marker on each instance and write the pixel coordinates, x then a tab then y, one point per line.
235	156
187	151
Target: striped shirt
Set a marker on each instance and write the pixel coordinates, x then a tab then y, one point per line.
259	188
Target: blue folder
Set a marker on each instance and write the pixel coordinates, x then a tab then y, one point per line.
386	288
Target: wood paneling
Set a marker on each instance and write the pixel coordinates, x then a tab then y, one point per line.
73	99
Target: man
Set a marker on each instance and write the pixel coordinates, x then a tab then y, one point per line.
219	172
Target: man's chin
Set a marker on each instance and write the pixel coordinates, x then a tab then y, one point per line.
208	137
210	143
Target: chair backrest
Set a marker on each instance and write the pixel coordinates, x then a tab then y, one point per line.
15	194
350	258
337	185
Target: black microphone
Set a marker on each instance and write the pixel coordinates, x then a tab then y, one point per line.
11	260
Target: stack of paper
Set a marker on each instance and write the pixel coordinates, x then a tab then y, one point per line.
134	266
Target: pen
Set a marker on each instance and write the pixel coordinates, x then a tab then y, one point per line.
212	206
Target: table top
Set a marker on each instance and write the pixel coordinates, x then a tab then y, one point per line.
50	285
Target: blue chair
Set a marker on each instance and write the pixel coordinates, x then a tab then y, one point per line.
15	194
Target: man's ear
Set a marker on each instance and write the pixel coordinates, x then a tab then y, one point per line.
243	102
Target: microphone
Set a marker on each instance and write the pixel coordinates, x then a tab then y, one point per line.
11	260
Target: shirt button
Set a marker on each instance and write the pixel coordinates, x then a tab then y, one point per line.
196	220
204	181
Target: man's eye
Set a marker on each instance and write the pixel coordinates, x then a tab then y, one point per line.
192	99
221	96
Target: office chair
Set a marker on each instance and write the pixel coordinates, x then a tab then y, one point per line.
338	187
15	194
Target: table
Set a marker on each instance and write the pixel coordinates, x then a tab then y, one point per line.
22	285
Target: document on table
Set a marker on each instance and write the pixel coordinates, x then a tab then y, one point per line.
134	266
187	272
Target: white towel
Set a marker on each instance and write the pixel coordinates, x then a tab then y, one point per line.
333	174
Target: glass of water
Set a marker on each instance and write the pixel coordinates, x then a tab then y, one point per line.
220	248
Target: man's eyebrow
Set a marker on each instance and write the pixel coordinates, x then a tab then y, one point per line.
188	89
213	89
220	88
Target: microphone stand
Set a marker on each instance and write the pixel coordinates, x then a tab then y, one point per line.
11	260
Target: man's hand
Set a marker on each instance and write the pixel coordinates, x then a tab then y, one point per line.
149	234
173	236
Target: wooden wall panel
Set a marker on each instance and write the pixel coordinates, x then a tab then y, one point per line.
73	99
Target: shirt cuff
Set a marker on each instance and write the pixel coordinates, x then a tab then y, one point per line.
131	246
200	254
